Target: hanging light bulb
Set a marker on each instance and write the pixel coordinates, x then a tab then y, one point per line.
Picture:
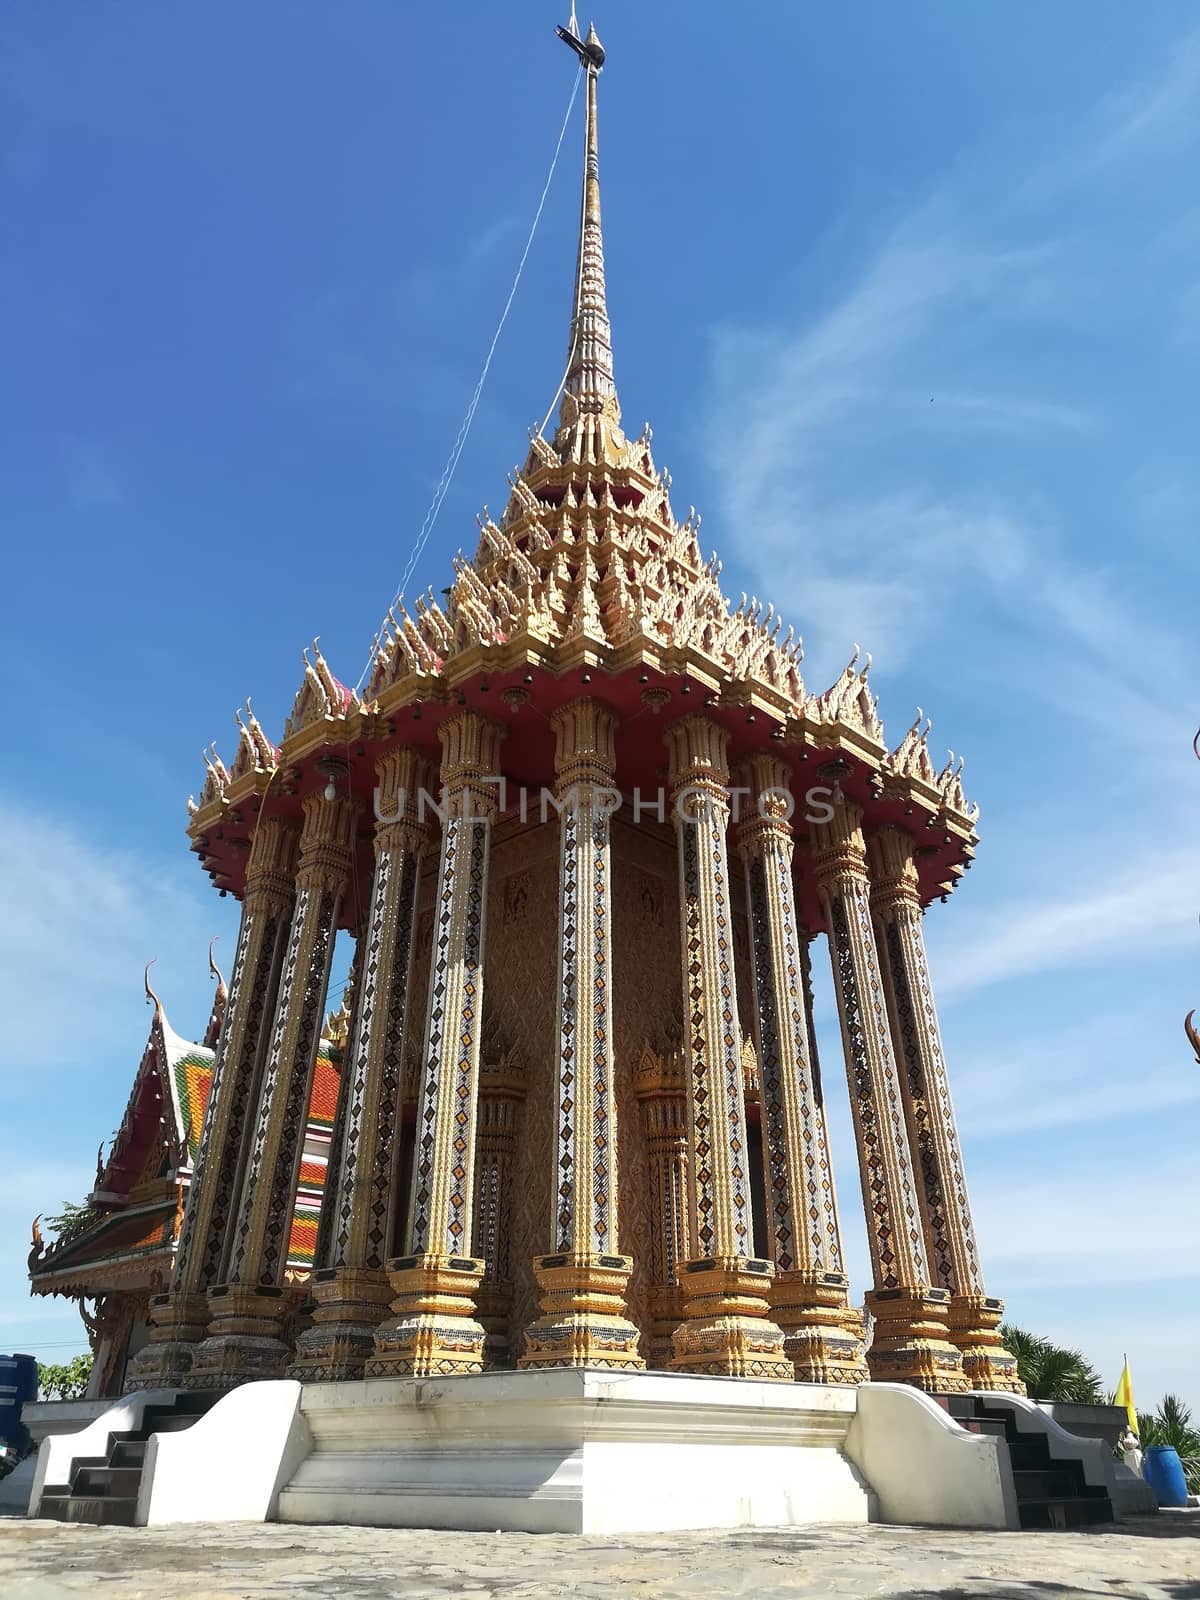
331	790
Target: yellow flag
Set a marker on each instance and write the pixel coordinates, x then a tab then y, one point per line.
1124	1396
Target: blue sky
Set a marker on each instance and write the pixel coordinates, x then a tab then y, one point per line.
911	297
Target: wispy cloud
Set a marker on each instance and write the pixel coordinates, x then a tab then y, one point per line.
1150	905
1065	1075
839	438
1154	115
80	921
1061	1226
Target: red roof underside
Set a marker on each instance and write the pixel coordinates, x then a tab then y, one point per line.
527	758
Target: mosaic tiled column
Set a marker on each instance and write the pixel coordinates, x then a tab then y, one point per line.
433	1327
350	1285
807	939
916	1038
810	1292
351	996
180	1318
249	1308
910	1342
661	1088
727	1326
584	1280
501	1100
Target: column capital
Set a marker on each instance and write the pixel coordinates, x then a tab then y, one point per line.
698	749
770	806
271	869
891	859
470	756
584	743
837	847
401	775
326	842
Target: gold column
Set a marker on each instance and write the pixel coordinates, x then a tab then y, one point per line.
249	1308
584	1280
501	1097
810	1292
350	1284
661	1087
433	1328
180	1317
909	1342
727	1327
916	1038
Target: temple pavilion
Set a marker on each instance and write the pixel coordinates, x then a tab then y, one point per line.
588	829
118	1248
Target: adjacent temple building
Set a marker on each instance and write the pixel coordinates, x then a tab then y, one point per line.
580	1120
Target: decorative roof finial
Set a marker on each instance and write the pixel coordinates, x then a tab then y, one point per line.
151	998
213	968
589	385
220	1000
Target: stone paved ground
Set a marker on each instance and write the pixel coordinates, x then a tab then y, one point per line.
1157	1557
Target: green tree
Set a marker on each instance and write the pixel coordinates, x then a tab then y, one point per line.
1172	1424
64	1380
72	1221
1050	1371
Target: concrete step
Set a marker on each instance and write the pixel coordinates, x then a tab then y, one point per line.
104	1489
1050	1483
119	1481
1029	1454
101	1510
1079	1511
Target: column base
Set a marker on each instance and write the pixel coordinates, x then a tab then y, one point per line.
493	1307
350	1304
727	1328
910	1343
433	1330
974	1319
178	1324
822	1334
584	1322
244	1341
666	1313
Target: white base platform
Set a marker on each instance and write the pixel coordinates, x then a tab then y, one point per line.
575	1452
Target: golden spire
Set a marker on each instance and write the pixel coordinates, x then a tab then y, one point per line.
589	387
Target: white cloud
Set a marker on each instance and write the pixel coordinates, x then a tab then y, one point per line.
1059	1221
1150	903
1153	115
1066	1075
80	922
836	437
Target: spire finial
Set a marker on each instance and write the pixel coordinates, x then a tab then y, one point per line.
589	386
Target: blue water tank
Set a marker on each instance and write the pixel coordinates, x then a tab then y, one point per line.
18	1383
1163	1471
